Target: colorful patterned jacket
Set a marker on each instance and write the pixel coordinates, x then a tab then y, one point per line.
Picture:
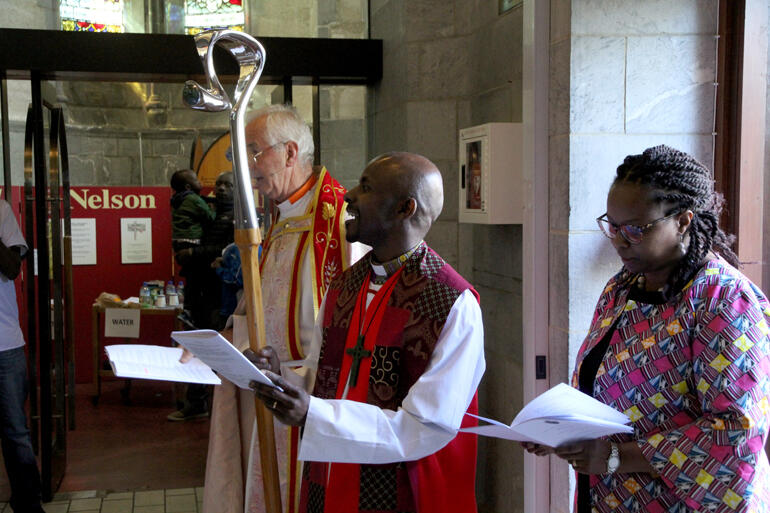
693	376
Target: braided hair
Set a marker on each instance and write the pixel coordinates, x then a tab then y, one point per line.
678	179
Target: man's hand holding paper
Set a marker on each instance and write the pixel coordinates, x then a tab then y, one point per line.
266	359
218	353
187	354
288	402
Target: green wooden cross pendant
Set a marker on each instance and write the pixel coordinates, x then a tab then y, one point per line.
358	353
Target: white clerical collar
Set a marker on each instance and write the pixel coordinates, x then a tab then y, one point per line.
380	274
382	271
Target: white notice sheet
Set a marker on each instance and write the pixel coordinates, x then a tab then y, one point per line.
560	415
214	349
157	362
135	240
83	240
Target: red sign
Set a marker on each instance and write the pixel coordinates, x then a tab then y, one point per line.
107	205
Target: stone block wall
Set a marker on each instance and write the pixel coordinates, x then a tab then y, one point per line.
650	86
642	74
625	75
308	18
114	140
448	66
343	132
288	18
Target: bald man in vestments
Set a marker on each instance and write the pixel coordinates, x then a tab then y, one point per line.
399	349
304	249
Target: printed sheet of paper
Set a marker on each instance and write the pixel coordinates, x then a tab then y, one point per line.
214	349
136	240
558	416
157	362
83	240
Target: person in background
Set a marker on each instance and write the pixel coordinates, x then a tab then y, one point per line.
189	212
228	268
198	261
202	300
20	462
302	252
679	343
399	349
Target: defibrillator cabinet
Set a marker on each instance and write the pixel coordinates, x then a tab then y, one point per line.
491	183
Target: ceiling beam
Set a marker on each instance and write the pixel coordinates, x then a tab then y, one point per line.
59	55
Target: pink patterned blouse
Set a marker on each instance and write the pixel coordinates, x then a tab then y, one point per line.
693	374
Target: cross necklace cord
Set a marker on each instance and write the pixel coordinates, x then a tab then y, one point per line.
358	352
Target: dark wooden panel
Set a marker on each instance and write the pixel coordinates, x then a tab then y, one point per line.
173	58
740	128
728	109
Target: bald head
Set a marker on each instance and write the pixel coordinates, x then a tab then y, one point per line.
397	199
414	176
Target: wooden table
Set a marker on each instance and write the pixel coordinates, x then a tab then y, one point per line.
98	347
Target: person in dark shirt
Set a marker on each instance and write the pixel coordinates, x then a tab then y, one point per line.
189	212
203	301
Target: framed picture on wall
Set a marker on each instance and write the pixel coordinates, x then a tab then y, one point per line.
506	5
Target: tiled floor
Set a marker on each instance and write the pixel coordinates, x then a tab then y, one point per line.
176	500
121	455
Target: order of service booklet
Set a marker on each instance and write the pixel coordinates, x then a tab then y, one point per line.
157	362
560	415
211	350
216	351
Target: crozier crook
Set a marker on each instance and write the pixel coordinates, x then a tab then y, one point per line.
250	55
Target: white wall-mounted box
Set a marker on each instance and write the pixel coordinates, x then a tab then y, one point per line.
491	183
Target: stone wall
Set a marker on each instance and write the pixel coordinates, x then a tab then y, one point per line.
343	132
639	74
448	66
114	140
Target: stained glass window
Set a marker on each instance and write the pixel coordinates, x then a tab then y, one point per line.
209	14
91	15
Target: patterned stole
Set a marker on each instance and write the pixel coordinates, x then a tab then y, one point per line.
401	347
343	488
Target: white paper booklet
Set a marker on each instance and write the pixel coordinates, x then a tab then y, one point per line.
215	350
157	362
560	415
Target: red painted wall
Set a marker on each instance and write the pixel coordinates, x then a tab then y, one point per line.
107	205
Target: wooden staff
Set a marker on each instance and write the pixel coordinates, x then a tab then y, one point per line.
250	55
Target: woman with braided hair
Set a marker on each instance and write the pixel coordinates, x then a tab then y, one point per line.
679	343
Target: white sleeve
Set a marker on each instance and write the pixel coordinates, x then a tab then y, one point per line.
352	432
10	233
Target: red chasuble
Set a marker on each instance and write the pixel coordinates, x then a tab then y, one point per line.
400	330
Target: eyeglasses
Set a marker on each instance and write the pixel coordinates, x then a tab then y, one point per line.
254	156
630	232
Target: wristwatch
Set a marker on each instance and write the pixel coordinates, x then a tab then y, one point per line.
613	462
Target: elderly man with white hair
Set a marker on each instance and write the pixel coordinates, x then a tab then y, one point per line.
303	251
